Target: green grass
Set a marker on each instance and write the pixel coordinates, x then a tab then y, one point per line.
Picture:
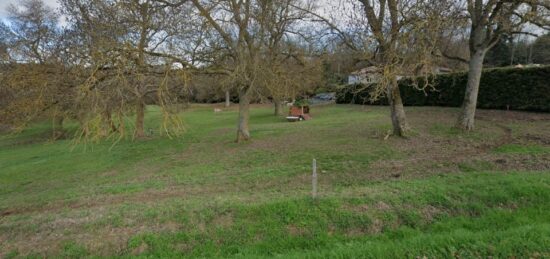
202	195
480	224
523	149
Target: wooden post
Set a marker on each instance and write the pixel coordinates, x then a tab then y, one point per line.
314	180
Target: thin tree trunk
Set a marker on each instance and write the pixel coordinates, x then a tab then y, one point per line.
140	116
530	56
81	118
58	131
467	115
278	104
227	98
398	117
513	55
109	126
114	127
121	129
244	107
83	127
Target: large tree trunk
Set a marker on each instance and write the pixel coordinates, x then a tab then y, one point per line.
140	117
467	115
57	130
227	98
244	107
278	104
398	117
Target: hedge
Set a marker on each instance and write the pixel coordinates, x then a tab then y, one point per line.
502	88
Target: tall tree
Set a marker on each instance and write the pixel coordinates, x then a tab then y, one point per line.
405	34
245	29
291	73
124	45
279	20
489	21
387	36
242	48
145	21
398	37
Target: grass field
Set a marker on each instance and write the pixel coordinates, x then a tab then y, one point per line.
439	193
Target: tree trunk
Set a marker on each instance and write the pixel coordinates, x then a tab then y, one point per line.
227	98
140	115
278	104
513	53
467	115
108	124
398	117
81	118
114	127
57	131
244	107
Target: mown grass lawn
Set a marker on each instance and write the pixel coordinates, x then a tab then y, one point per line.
439	193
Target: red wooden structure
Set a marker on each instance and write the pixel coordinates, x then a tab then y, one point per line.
298	113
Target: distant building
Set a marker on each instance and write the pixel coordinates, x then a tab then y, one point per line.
368	75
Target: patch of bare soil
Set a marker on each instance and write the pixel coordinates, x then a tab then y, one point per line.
102	241
427	154
527	162
148	196
294	230
536	138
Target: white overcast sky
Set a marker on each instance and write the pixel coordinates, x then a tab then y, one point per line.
53	3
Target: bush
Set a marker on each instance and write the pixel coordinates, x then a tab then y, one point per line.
514	88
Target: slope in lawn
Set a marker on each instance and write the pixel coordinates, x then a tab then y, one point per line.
438	193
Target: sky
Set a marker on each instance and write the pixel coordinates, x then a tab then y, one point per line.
4	4
54	4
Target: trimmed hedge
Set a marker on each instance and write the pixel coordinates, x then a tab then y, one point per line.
514	88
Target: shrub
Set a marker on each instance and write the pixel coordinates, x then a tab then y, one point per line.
501	88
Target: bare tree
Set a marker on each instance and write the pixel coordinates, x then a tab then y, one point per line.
292	73
404	33
281	22
124	47
35	32
244	30
39	82
5	36
387	42
236	29
489	21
